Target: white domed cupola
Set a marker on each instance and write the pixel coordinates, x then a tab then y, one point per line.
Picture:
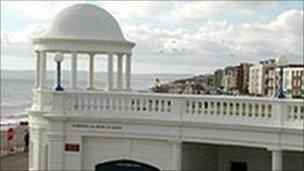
85	29
85	21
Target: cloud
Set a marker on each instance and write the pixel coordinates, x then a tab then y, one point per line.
37	10
214	44
289	22
253	4
283	35
164	12
18	43
179	12
130	10
126	10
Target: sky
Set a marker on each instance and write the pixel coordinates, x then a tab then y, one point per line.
182	37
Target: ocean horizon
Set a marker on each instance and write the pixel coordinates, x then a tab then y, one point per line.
16	88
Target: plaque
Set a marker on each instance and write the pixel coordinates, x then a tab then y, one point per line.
72	147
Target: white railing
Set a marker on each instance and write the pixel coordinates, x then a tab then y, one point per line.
116	104
295	114
42	100
250	111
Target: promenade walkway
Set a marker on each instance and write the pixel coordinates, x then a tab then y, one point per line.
18	161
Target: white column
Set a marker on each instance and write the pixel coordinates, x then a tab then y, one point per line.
43	69
91	73
119	72
276	158
56	148
74	158
128	72
74	70
176	155
35	149
110	72
37	83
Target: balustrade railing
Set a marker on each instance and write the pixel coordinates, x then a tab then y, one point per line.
88	102
42	100
295	114
237	110
190	108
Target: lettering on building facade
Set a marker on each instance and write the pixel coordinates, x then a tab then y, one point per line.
97	126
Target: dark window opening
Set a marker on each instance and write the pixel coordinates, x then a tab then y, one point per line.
238	166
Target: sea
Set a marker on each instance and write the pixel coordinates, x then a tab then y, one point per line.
16	89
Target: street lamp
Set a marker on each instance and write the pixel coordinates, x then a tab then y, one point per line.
58	58
281	62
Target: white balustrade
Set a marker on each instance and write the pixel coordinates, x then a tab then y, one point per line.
42	100
295	117
190	108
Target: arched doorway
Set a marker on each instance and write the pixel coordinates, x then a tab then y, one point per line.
124	165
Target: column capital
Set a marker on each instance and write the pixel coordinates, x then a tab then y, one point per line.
120	54
91	54
275	148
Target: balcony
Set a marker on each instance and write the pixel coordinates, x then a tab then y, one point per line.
196	109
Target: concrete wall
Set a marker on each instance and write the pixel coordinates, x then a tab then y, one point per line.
157	153
256	158
213	157
153	145
293	160
199	157
99	150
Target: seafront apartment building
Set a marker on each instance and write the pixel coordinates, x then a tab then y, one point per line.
264	79
293	80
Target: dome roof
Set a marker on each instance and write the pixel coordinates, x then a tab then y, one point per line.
85	22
